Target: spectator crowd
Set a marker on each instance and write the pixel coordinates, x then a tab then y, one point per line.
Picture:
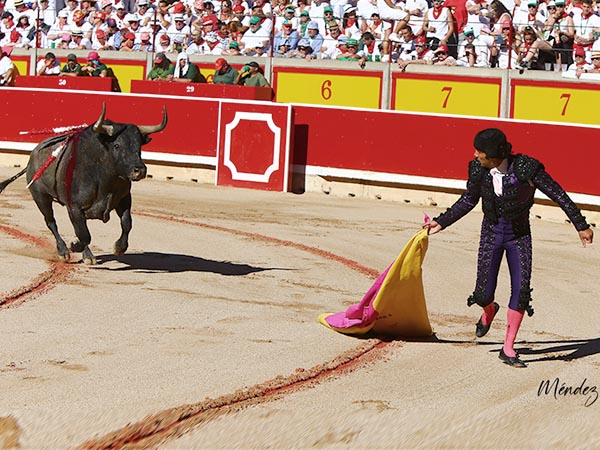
560	35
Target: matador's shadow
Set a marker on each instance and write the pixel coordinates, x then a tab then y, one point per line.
578	348
553	350
155	262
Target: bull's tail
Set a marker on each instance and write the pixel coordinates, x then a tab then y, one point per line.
11	179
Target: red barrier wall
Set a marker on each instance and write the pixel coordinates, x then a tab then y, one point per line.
192	128
434	146
386	142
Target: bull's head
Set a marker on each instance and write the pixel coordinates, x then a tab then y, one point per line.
128	145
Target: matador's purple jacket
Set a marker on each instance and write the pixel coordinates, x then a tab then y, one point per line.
506	225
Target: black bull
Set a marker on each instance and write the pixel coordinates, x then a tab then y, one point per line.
91	176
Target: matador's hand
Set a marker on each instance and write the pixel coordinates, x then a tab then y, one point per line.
433	227
586	236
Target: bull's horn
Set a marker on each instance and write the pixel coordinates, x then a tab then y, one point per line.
99	126
149	129
100	122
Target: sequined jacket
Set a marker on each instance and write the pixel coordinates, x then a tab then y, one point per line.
524	175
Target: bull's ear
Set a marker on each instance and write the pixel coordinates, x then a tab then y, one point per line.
147	139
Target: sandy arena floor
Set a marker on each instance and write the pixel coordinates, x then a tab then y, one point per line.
204	335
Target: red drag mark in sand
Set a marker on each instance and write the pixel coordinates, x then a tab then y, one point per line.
41	283
155	429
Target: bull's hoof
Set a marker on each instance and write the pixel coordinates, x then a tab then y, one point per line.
65	257
77	247
119	248
90	261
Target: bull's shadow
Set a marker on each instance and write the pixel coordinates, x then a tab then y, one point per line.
153	262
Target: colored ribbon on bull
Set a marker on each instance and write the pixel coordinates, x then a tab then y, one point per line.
56	130
55	153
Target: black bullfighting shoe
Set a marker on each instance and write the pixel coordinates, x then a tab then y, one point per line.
481	329
513	361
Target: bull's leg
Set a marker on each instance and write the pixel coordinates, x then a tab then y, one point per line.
44	204
83	236
124	211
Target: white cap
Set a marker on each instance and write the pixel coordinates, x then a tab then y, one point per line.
63	13
178	17
142	2
120	5
132	18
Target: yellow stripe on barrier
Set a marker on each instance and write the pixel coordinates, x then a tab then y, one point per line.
560	104
447	96
329	89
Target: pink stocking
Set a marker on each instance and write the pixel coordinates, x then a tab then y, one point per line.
514	319
489	312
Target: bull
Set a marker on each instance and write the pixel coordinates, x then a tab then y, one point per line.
91	176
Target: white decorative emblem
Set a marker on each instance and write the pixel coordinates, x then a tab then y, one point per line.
256	117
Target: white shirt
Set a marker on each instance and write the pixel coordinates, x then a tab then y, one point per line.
497	175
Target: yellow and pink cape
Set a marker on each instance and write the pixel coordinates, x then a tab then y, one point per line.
395	304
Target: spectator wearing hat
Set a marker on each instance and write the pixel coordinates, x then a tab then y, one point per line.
224	73
315	38
120	16
350	23
251	76
72	68
255	36
351	53
101	41
442	57
94	67
303	51
144	12
561	31
185	71
438	26
423	54
594	68
6	26
329	48
8	71
474	52
161	69
179	29
59	27
579	67
128	44
114	36
63	42
534	18
107	7
49	65
79	21
233	49
146	44
303	21
285	41
163	44
288	16
78	41
21	9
